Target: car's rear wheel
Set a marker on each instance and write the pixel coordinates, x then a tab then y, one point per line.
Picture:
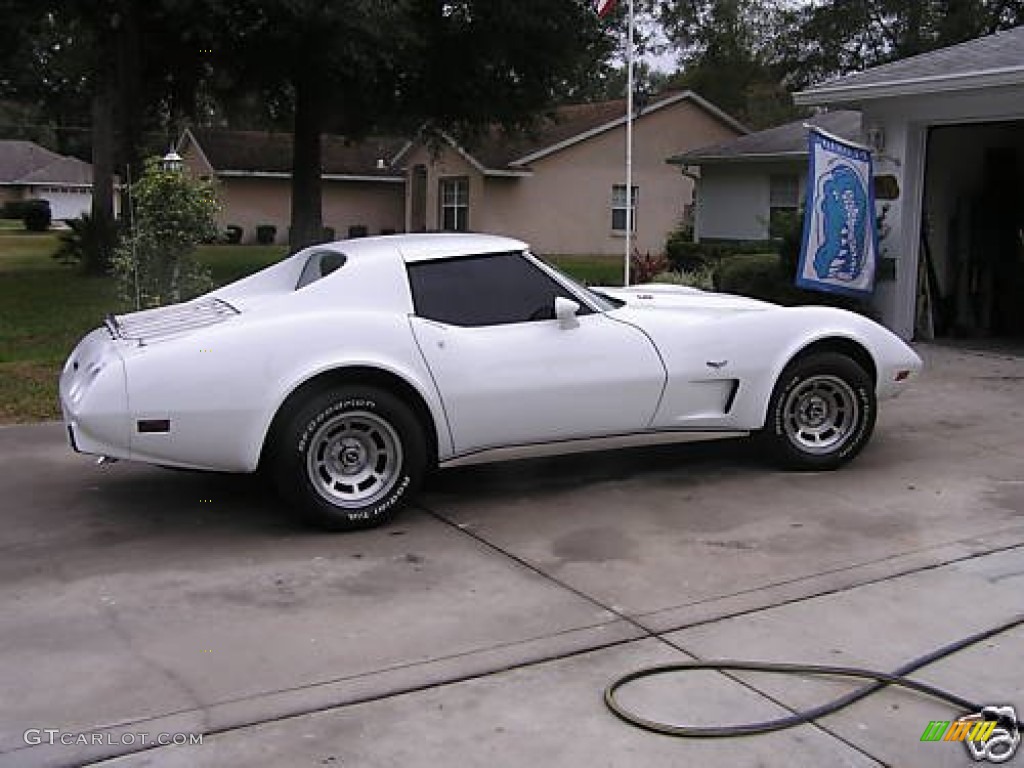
821	413
350	457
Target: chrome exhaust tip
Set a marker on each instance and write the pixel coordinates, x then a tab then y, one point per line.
105	460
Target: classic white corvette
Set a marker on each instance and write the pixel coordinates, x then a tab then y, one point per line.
350	369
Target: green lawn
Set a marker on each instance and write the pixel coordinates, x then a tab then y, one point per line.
21	250
45	308
591	270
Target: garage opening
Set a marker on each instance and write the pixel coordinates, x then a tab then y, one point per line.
971	277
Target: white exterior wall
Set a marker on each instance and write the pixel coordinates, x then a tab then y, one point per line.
66	202
733	201
905	122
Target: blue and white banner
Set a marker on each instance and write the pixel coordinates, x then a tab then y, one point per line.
840	241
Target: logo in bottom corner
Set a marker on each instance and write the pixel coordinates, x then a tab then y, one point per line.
992	734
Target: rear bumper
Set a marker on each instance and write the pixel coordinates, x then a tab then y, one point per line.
94	399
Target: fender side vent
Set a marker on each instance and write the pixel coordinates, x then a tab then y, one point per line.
732	395
151	426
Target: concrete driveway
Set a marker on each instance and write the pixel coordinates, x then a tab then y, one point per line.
481	627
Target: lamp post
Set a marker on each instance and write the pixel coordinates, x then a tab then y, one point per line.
171	161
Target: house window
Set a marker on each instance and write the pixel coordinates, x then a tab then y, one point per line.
783	201
454	204
619	208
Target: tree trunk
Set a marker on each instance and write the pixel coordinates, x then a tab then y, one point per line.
104	106
129	65
307	203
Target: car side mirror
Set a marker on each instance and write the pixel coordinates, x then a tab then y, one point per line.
565	312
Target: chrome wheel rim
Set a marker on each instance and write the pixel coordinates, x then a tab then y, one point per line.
354	459
820	414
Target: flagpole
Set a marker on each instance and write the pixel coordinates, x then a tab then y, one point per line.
629	143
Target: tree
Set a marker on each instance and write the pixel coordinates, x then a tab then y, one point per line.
746	55
612	85
119	65
727	52
370	65
828	38
40	79
172	214
346	68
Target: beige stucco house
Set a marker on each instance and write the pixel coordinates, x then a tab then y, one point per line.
252	169
561	187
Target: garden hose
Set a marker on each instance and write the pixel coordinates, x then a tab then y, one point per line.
880	680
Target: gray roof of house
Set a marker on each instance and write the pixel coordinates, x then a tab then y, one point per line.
64	170
787	141
571	123
263	151
25	162
996	59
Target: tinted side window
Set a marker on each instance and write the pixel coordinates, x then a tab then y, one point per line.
319	264
484	290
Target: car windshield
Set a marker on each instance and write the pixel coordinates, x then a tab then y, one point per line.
600	301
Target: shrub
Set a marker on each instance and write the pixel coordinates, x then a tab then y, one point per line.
763	276
643	267
358	230
265	234
12	209
678	246
757	275
17	209
36	215
700	277
688	255
89	244
173	214
791	232
329	235
233	234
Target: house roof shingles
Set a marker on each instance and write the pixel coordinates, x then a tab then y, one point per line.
25	162
64	170
494	149
789	140
1001	53
264	152
498	149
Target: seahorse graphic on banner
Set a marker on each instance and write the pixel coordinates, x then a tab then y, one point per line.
844	209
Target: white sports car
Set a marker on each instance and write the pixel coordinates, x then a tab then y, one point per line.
351	369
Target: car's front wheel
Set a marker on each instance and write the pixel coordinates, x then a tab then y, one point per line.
350	457
821	413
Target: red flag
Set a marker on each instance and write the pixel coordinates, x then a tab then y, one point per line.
603	7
